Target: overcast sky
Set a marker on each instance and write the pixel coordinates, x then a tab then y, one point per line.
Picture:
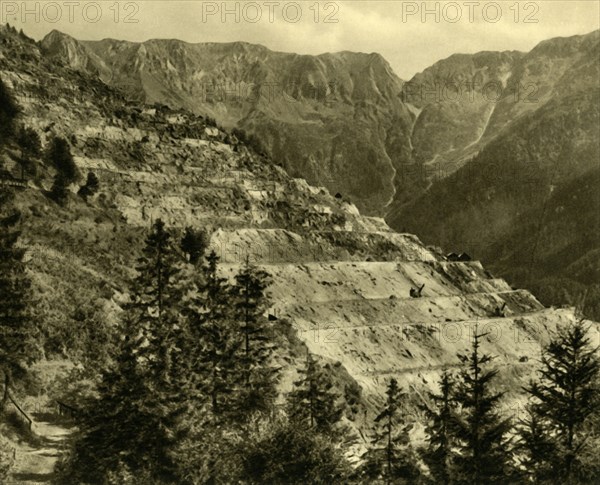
410	35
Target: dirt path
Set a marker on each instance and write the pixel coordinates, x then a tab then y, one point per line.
34	464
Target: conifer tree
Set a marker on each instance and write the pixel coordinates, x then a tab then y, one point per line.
213	347
390	455
194	244
215	365
139	418
482	434
535	447
31	147
156	308
17	327
8	113
441	421
259	376
564	399
313	403
91	186
58	154
59	191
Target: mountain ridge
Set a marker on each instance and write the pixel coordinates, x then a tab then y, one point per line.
342	282
407	138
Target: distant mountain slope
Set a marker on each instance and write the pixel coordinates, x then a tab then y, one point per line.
509	201
465	101
336	119
554	248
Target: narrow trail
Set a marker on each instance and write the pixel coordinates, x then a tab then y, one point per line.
34	463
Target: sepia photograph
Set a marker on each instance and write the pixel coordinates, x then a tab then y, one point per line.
342	242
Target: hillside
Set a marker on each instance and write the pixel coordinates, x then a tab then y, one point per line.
325	118
465	101
510	174
513	193
341	281
524	122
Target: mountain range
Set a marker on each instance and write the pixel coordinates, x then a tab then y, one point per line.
468	154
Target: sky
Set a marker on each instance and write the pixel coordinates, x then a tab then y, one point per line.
411	35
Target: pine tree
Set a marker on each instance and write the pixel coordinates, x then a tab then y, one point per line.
59	192
215	341
566	398
212	347
312	402
155	306
441	421
390	455
535	447
194	244
8	113
58	154
482	434
17	328
259	376
139	418
31	148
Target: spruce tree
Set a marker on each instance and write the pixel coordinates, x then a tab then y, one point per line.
8	113
17	328
58	155
390	456
156	308
214	360
259	376
31	148
441	422
194	244
212	347
565	399
313	403
140	415
59	192
535	447
482	434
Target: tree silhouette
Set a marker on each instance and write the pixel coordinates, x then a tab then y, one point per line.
313	402
139	418
17	328
91	187
194	244
563	401
482	434
390	455
259	376
8	113
440	431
